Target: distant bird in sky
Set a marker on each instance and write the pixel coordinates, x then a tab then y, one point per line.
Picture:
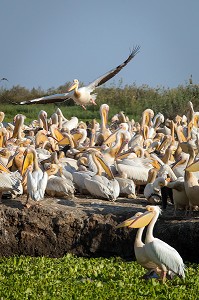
82	96
3	79
191	79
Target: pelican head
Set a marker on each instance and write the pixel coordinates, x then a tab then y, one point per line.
138	220
2	115
29	158
74	85
153	209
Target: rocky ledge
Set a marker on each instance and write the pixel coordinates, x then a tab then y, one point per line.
87	227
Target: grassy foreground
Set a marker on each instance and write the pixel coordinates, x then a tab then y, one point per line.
82	278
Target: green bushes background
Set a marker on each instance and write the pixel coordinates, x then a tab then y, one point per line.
130	99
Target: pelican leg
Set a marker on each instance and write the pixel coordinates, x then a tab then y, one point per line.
26	204
83	106
93	101
186	211
163	276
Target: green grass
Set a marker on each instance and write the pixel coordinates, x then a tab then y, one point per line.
31	111
82	278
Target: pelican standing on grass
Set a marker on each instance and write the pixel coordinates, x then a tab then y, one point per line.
139	246
165	256
156	252
82	96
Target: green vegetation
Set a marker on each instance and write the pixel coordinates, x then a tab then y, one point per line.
82	278
130	99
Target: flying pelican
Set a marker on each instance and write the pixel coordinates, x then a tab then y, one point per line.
36	178
82	96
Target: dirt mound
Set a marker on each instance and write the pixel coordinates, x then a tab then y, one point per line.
87	227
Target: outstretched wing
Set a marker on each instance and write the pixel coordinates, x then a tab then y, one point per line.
48	99
104	78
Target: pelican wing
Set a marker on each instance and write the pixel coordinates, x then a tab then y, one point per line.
42	185
36	184
104	78
99	189
161	253
48	99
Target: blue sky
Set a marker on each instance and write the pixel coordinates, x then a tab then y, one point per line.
46	43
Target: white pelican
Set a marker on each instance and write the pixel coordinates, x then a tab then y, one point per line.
101	186
82	96
9	182
165	256
4	135
139	246
127	187
110	153
42	118
152	190
155	254
36	178
58	185
180	198
104	131
190	180
136	169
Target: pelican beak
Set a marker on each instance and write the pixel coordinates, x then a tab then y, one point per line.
194	167
28	160
137	221
123	144
155	164
111	139
40	138
16	128
56	133
72	87
4	168
105	167
77	136
127	223
65	141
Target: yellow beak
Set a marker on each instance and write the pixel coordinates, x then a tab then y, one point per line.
137	221
194	167
72	87
105	167
28	160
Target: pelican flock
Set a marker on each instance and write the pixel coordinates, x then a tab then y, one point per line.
121	158
53	156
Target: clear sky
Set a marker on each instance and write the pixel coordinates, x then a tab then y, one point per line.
46	43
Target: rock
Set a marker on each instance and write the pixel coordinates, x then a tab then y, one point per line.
86	227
